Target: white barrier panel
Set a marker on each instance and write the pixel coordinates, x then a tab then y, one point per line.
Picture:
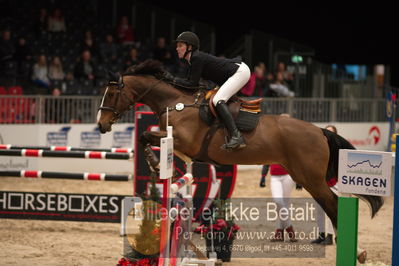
75	135
364	136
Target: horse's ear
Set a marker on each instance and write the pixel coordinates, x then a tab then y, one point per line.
109	73
113	76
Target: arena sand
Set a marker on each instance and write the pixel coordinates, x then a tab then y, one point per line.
24	242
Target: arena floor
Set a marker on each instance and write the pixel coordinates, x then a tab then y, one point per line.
24	242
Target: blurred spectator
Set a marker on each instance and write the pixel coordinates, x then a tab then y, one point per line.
85	68
125	31
88	34
23	53
249	88
69	76
75	121
69	85
53	112
56	73
56	92
280	88
41	23
132	58
7	48
56	22
265	170
268	75
170	62
160	52
109	49
8	67
269	78
287	76
40	72
258	83
88	44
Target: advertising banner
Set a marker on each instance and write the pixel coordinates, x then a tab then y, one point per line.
365	172
60	206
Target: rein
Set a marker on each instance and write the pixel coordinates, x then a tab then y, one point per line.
180	106
120	85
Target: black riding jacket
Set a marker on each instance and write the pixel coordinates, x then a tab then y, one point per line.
208	67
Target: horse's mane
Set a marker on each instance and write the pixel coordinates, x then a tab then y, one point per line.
148	67
155	68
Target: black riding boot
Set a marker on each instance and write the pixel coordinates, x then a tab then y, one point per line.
328	240
236	140
321	238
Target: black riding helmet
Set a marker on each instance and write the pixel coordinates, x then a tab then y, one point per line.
189	38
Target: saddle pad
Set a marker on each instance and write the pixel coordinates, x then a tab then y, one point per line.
247	121
206	114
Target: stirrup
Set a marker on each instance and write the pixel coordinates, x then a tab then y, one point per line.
239	144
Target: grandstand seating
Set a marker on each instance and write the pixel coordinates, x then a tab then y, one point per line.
80	17
3	90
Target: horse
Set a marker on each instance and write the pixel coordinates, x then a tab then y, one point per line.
307	152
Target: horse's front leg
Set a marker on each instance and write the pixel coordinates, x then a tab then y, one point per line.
148	139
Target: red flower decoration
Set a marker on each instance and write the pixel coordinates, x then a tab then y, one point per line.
216	227
142	262
235	228
230	235
221	223
155	231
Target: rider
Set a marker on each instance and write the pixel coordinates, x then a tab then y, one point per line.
230	74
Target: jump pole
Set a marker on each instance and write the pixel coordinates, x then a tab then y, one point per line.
67	154
166	173
395	229
63	175
62	148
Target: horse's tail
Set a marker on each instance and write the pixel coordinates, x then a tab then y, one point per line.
335	143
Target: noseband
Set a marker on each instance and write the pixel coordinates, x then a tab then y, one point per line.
120	86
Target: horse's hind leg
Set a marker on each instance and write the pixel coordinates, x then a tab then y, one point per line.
313	181
327	200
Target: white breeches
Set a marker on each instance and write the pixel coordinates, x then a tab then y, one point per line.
233	84
281	187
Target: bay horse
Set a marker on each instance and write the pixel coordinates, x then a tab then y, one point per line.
307	152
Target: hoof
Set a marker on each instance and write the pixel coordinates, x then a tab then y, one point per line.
362	256
154	170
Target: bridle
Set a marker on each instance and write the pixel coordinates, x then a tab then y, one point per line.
120	85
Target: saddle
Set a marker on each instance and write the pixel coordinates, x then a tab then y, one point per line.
245	113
